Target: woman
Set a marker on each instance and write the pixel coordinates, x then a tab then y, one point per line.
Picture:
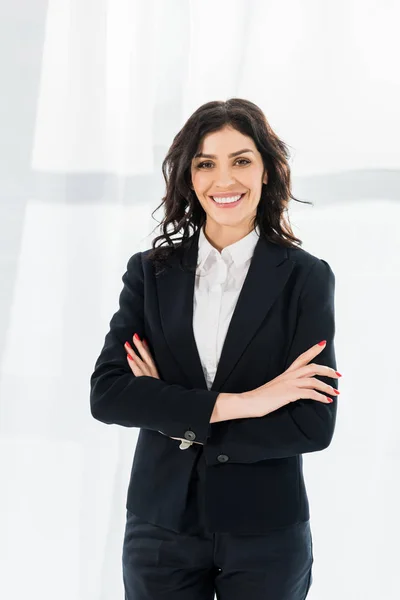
236	377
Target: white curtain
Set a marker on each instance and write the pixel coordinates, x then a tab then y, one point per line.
94	92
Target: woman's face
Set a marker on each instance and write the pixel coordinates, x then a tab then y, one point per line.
222	174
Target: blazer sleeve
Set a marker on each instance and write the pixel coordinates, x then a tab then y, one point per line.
305	425
118	397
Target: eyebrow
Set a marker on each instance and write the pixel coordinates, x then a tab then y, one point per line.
200	154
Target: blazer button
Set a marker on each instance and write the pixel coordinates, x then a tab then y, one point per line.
222	458
190	435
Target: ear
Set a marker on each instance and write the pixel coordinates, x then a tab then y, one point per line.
265	178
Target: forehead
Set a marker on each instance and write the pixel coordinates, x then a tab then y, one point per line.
225	137
226	142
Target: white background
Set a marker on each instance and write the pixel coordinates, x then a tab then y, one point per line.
93	92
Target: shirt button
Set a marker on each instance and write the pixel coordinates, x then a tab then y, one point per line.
190	435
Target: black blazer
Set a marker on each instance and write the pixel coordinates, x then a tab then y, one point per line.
254	475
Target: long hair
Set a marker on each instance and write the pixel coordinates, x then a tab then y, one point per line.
182	208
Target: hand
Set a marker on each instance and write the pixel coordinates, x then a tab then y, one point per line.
138	366
293	384
146	366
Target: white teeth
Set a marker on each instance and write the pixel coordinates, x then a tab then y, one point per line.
226	200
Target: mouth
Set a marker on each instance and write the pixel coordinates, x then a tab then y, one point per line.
227	204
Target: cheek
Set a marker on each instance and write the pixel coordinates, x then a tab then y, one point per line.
200	181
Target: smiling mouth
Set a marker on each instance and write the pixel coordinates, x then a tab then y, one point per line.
227	204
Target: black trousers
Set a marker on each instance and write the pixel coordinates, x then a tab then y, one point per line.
161	564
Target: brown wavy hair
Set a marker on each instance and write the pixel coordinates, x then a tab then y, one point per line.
182	208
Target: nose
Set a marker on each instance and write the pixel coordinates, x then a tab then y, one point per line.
223	179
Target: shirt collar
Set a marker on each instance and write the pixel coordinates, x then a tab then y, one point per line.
240	251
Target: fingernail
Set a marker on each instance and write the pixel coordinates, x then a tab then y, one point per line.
329	399
129	357
128	344
322	343
136	337
336	391
338	374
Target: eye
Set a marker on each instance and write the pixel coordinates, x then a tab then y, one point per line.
199	166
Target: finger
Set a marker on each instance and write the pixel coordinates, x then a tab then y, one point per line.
133	354
310	394
144	352
306	356
140	367
129	350
147	365
315	369
134	367
320	397
141	347
316	384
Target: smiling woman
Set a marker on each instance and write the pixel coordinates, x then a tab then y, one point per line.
239	372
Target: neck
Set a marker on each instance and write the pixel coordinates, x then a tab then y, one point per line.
221	236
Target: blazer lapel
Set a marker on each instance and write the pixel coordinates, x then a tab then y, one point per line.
268	273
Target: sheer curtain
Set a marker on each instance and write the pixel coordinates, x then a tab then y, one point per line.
94	91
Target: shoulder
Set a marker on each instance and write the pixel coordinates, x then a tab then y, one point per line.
307	261
135	261
134	269
302	257
313	271
139	264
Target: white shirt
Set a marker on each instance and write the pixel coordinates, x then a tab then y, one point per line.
218	282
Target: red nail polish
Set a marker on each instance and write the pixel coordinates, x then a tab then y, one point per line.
128	344
329	399
322	343
337	392
136	337
338	374
129	357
